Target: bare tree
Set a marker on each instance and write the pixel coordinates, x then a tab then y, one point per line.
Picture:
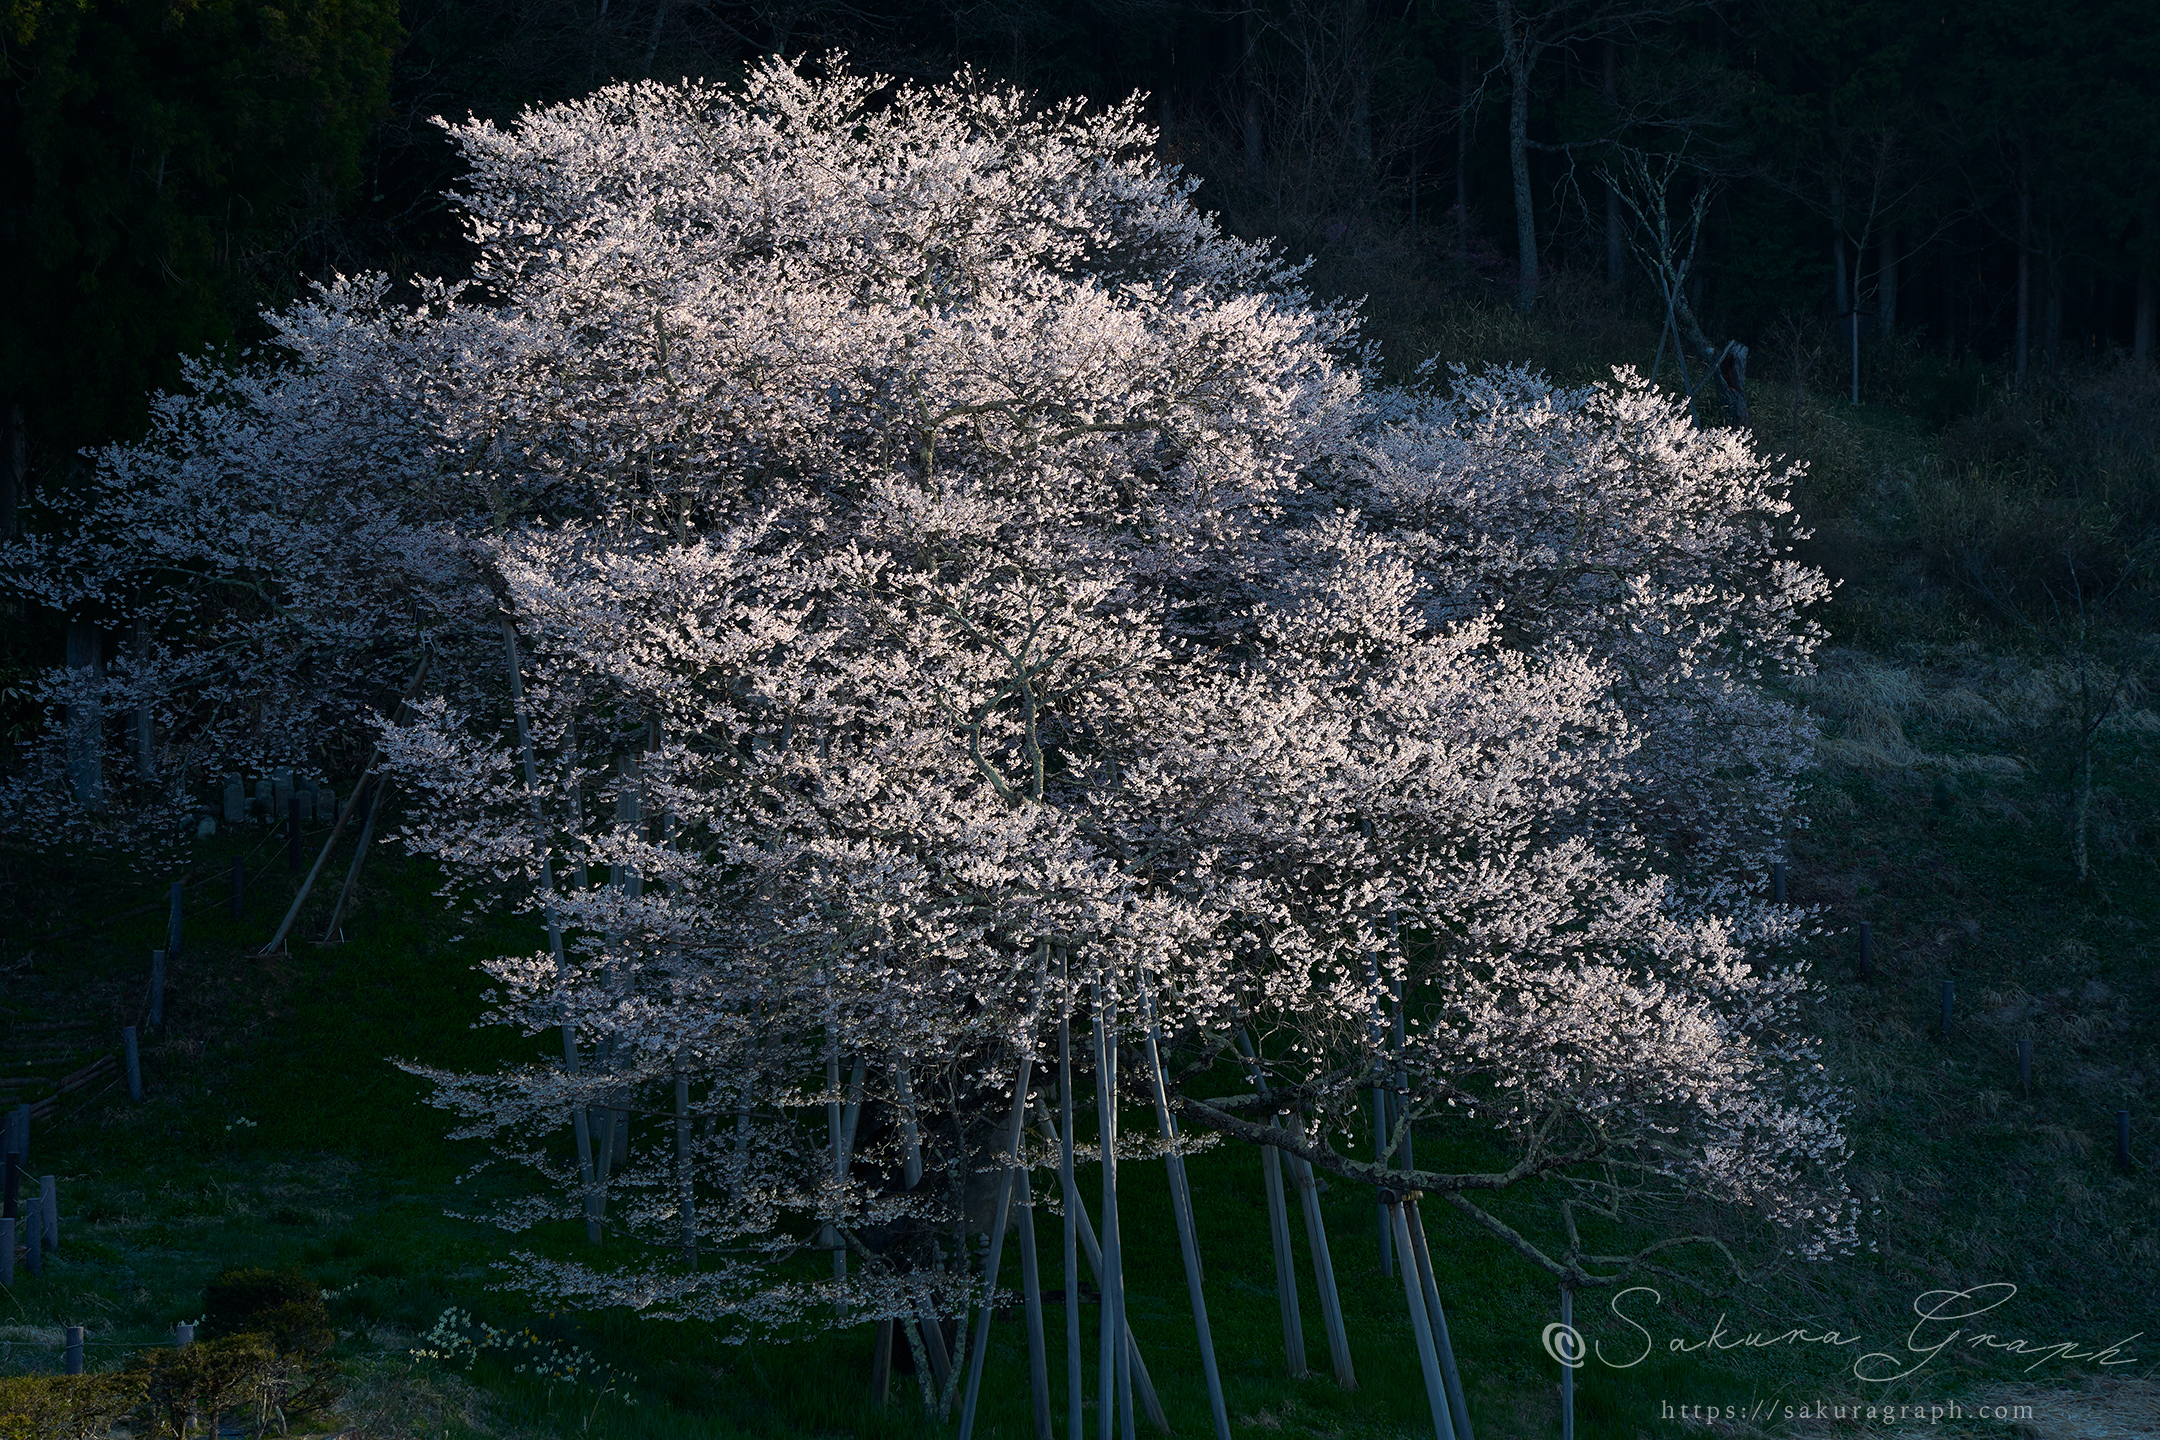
1529	31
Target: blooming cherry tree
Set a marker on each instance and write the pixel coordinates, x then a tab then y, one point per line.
926	624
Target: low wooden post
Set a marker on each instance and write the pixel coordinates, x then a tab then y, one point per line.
134	1063
12	1205
49	1207
73	1360
183	1335
235	798
7	1250
1777	882
2025	1068
19	1133
157	988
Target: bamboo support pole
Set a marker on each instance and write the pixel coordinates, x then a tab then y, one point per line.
1286	1295
1458	1411
1109	1267
1031	1290
1001	1217
1075	1381
337	828
1323	1268
1181	1207
1421	1328
376	797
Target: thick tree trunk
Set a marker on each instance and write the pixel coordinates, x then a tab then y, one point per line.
1515	52
145	728
1887	285
85	719
2141	328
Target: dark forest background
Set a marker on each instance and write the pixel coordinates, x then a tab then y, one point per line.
1970	188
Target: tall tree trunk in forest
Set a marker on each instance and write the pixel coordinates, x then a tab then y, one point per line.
1615	227
1249	92
14	468
2024	262
1462	157
1947	274
652	37
1359	50
1886	285
2141	328
1515	55
1845	285
2051	314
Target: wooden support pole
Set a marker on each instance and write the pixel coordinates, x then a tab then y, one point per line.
1286	1294
337	827
1458	1411
1181	1208
1075	1381
1323	1268
1031	1290
1002	1216
1421	1326
376	796
1108	1268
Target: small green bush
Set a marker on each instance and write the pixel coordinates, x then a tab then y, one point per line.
236	1300
65	1407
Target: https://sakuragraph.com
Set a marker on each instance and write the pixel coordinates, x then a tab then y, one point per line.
1764	1411
1961	1322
